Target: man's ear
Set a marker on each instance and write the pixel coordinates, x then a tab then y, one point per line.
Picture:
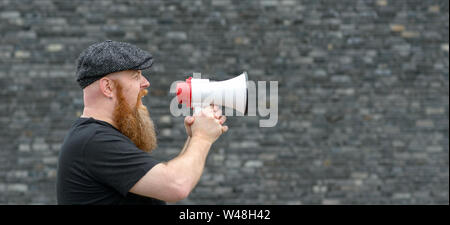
107	87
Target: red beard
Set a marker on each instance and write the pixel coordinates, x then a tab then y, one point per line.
135	123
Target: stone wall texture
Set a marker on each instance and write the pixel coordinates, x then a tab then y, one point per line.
363	94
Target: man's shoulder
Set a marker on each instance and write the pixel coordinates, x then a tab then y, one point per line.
103	132
88	131
91	139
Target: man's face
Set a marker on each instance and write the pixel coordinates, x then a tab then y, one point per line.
132	82
130	115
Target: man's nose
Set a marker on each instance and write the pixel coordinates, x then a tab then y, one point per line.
145	83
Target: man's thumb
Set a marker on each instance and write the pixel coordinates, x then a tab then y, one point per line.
189	120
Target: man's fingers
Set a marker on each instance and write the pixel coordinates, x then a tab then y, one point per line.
218	113
224	129
189	120
209	112
222	119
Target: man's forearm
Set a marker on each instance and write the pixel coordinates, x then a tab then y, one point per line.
188	165
185	145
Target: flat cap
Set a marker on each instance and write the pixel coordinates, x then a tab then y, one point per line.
101	59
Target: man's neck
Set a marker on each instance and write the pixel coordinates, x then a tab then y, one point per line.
98	115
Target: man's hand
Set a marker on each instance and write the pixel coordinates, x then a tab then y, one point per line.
189	120
210	123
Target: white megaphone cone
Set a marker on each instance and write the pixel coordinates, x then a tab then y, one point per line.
199	93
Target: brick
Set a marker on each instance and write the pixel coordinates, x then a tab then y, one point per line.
22	54
9	15
50	160
397	27
177	35
269	2
253	163
401	195
40	147
220	2
24	148
54	47
359	175
382	2
166	132
345	91
434	111
340	79
331	202
17	188
165	119
319	189
223	190
410	34
434	148
320	73
434	9
288	2
425	123
233	163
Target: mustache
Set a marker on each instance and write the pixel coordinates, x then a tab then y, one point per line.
141	94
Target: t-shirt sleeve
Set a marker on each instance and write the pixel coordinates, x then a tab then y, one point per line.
115	161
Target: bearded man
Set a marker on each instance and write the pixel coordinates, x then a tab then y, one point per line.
105	156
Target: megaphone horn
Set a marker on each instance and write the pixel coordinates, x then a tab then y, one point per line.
197	93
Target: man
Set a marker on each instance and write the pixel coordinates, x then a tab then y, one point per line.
105	156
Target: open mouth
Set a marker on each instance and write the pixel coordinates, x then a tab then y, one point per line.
141	94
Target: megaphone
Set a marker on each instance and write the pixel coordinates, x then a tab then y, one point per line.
197	93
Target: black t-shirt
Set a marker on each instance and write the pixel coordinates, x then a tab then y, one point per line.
99	165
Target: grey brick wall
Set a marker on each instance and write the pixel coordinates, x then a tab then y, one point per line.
363	94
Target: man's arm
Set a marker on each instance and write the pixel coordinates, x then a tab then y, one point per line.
173	181
185	145
193	160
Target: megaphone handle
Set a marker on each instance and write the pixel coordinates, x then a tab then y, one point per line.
197	108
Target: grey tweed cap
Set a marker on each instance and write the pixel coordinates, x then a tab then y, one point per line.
101	59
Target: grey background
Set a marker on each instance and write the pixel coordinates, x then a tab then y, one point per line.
363	94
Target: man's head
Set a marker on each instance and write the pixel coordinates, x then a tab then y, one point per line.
101	59
116	96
